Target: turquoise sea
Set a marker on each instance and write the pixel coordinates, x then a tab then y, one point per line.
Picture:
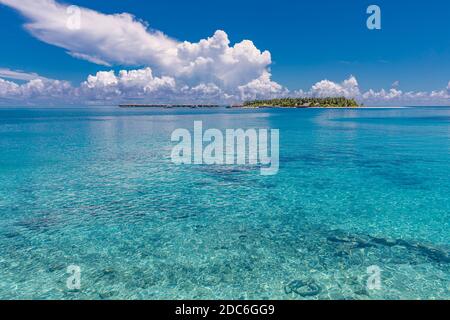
95	187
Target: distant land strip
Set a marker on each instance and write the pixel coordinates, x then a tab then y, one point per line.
168	105
327	102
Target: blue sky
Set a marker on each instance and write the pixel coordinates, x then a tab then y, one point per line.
309	41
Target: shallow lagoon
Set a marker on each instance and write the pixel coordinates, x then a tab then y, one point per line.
95	187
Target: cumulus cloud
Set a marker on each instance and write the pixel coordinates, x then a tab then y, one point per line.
261	88
8	89
399	97
39	90
124	40
142	84
394	96
133	84
139	84
348	88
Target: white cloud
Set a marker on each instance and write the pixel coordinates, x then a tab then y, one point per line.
124	40
398	97
118	38
39	90
8	89
325	88
383	94
133	84
350	89
261	88
18	75
141	84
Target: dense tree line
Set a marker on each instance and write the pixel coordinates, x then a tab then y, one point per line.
330	102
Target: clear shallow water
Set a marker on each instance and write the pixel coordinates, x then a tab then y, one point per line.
95	187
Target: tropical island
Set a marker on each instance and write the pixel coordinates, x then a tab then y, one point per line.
338	102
